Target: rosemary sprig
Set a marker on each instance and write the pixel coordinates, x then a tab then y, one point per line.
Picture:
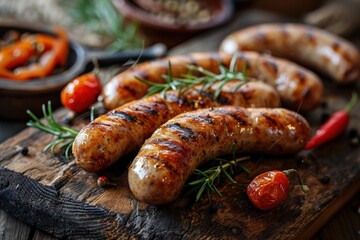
205	180
207	79
103	18
64	135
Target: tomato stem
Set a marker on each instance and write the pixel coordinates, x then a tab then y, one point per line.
304	187
352	103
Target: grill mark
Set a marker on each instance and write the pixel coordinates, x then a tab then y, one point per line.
271	66
187	133
164	163
336	45
166	143
247	95
223	100
206	93
191	60
182	100
206	119
129	89
240	120
100	124
261	37
216	58
146	109
245	61
301	76
141	74
283	30
123	115
164	63
310	36
270	120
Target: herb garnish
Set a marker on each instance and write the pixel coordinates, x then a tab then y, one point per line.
103	18
207	79
205	180
64	135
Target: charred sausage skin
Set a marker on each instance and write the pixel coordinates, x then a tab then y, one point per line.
307	45
298	87
166	160
124	129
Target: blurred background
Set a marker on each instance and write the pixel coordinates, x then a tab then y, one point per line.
124	24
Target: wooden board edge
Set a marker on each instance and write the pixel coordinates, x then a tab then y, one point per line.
77	219
332	208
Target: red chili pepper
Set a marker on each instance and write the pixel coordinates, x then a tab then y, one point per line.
270	189
334	126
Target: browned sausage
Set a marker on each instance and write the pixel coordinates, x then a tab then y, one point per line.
307	45
123	130
298	88
166	160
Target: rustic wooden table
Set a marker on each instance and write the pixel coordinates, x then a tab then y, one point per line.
345	224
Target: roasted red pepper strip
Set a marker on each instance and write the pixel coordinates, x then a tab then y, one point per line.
334	126
16	54
55	53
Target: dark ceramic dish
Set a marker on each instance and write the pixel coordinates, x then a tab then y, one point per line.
17	97
172	33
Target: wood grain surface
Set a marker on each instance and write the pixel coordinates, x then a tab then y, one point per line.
56	196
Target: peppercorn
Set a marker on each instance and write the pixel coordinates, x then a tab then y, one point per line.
24	151
325	179
353	132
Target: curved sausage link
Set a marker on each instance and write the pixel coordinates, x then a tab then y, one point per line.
170	155
307	45
298	87
124	129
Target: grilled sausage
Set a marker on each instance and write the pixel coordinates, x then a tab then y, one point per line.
166	160
298	88
123	130
307	45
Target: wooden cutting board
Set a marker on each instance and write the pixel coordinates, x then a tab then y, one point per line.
54	195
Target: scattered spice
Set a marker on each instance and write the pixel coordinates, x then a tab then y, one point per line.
353	132
186	12
103	181
24	151
324	105
325	179
324	117
302	162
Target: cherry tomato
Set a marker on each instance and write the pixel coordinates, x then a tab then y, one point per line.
268	190
79	94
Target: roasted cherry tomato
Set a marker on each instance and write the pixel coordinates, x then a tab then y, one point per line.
268	190
79	94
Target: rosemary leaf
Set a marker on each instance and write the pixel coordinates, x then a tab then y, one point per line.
191	79
206	180
64	135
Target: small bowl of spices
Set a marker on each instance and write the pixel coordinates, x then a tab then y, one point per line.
173	21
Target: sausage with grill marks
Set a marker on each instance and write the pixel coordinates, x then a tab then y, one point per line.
307	45
166	160
124	129
298	87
